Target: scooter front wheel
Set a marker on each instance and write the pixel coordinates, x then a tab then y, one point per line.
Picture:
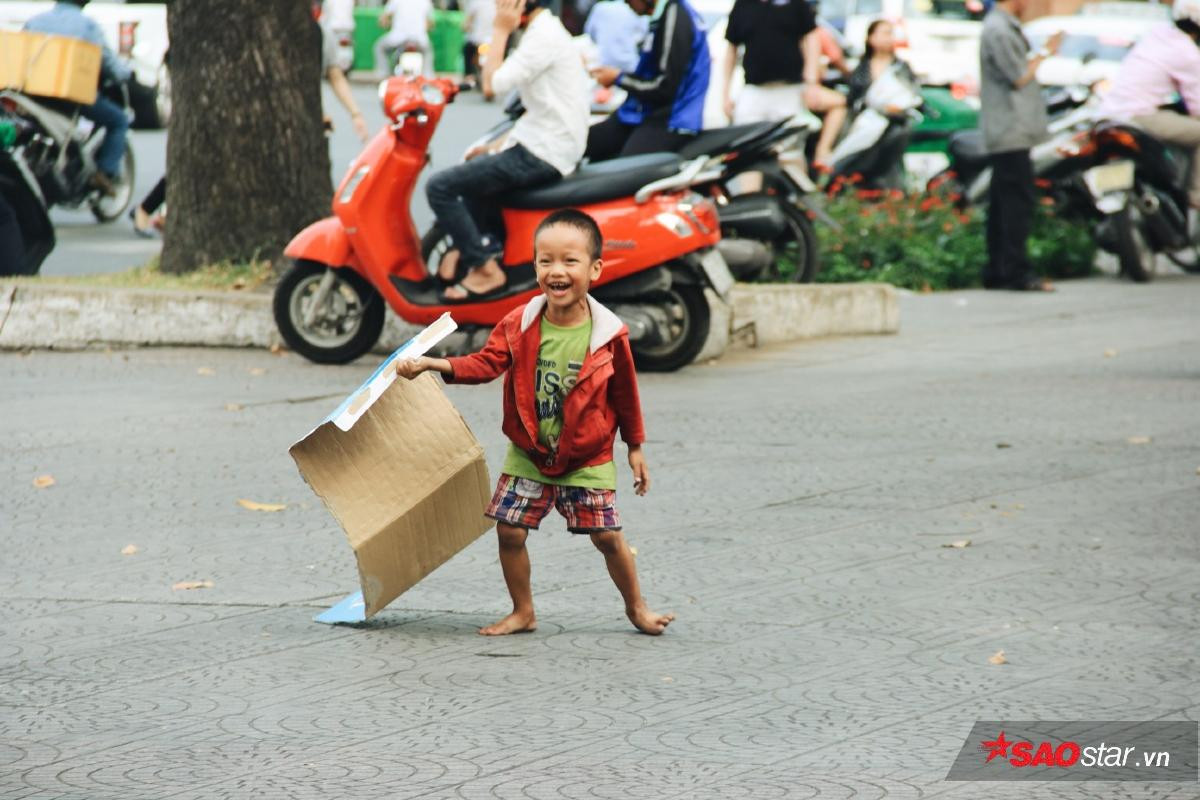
330	316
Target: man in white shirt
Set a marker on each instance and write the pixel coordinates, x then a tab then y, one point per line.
410	21
545	144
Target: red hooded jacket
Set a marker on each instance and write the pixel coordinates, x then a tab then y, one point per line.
603	399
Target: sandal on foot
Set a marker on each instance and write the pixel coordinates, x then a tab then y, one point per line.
149	232
472	296
1033	283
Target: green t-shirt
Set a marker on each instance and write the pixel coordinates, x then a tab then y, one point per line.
560	357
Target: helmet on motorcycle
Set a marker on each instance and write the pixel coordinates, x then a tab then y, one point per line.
1186	11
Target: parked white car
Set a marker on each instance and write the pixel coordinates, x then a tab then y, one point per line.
135	31
1092	46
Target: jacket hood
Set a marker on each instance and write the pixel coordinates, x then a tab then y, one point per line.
606	325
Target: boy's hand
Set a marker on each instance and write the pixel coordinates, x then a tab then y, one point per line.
410	368
641	475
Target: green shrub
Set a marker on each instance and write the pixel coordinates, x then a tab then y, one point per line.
925	243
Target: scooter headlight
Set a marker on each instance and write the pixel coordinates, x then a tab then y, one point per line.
352	184
433	94
675	224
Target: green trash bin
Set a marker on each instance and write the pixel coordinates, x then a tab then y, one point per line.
446	39
366	31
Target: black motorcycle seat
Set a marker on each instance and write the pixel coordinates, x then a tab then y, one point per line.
720	140
595	183
967	148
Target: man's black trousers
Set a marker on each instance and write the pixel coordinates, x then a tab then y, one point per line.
1010	217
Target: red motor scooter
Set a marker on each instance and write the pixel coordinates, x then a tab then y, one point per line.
659	239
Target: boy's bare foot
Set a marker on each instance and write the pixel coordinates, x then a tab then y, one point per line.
650	622
513	623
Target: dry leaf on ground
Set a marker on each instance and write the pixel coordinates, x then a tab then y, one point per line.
253	506
206	371
277	349
184	585
632	550
257	371
1138	440
129	550
959	544
234	406
998	658
1110	353
1002	445
43	481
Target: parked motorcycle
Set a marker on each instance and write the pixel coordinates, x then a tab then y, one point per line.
872	151
26	234
764	234
59	147
969	174
1136	188
659	246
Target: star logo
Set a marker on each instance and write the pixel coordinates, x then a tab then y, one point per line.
998	747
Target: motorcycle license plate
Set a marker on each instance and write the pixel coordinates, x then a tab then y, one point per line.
1114	177
718	272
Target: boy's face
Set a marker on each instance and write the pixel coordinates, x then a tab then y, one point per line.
564	265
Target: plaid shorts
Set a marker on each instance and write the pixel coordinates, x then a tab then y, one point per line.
524	503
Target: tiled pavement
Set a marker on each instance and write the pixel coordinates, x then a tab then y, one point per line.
827	645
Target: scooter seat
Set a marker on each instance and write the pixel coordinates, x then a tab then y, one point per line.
967	149
721	140
595	183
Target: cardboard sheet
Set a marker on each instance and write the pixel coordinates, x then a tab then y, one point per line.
402	474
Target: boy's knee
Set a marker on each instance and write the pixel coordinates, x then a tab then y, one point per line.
608	542
511	537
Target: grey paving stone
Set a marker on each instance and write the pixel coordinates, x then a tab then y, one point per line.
828	645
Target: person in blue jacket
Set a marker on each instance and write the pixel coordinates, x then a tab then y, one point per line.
666	91
66	18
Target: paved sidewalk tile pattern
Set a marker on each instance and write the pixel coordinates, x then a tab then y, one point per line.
829	644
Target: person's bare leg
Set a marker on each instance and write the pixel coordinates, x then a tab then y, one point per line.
482	279
621	568
835	117
449	265
514	560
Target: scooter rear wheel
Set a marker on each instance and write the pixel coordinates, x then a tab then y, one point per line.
1133	251
348	325
687	309
798	248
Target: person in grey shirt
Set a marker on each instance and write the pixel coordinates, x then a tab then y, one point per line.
1013	120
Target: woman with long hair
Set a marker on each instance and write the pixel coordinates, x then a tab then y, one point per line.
879	55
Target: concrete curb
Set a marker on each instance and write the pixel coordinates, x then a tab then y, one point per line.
61	317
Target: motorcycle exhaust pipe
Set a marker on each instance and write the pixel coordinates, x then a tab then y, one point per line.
747	258
753	217
648	325
1165	226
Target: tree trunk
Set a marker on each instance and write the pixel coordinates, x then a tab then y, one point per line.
247	160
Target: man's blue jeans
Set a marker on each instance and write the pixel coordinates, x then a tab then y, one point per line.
111	117
466	199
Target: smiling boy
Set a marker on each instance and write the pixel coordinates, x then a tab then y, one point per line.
569	387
